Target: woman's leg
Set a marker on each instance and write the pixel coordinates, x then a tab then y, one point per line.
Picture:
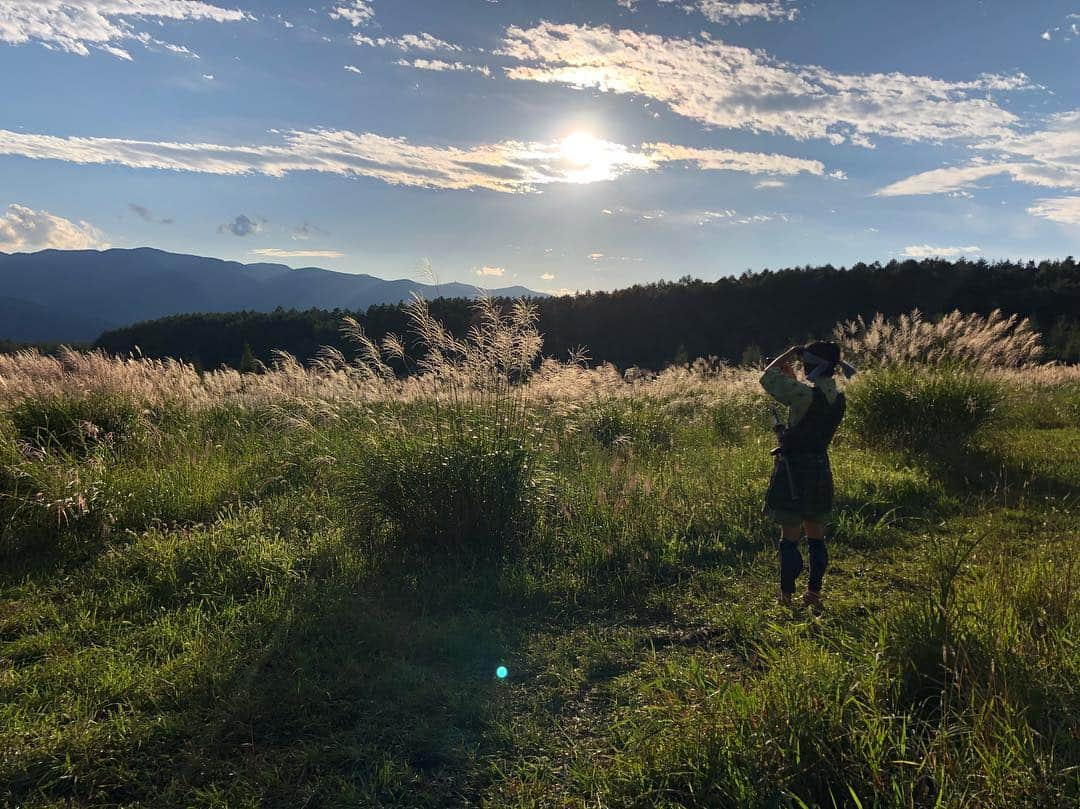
791	561
819	556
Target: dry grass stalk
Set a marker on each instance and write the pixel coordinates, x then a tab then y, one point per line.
501	359
994	341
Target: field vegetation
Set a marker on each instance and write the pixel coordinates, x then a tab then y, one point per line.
296	587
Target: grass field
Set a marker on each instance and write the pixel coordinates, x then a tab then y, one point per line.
303	602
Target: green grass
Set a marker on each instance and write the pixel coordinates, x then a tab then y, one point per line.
207	625
937	408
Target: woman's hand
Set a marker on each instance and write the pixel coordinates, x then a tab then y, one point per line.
783	363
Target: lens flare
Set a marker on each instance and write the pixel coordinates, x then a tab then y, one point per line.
501	672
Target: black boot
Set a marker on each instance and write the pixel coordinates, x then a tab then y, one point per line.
791	565
819	560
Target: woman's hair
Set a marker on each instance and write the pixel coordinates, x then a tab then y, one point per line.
826	350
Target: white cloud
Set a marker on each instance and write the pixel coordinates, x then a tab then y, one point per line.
409	42
506	166
274	252
354	12
729	86
724	11
596	258
939	181
771	184
1071	29
703	217
929	251
440	65
1049	158
1051	155
353	69
729	160
76	26
497	272
697	218
1061	209
23	229
547	277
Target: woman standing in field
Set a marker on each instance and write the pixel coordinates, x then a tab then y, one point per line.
800	491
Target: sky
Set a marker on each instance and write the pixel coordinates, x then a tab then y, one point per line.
559	145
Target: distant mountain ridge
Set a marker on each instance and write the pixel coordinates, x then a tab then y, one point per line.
74	295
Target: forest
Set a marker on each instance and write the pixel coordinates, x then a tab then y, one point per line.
738	318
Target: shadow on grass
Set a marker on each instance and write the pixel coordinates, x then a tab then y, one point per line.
983	471
357	691
379	696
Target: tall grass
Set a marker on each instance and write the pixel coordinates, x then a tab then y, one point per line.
44	495
460	472
78	423
994	341
920	408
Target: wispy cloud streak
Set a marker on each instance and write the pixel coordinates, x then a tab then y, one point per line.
1049	158
440	66
727	11
76	26
275	252
408	42
506	166
929	251
1065	210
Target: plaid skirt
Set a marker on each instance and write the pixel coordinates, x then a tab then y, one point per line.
808	491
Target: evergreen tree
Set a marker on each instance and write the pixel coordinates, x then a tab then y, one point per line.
248	363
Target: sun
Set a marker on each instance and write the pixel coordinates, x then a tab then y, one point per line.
582	149
583	158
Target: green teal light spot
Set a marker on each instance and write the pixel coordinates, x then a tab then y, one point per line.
501	672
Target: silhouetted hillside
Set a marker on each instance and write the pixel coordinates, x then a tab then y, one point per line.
24	321
73	295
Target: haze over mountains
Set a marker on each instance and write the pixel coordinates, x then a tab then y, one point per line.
74	295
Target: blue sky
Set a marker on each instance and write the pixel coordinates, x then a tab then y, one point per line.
560	145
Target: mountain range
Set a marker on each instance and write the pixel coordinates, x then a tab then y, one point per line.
74	295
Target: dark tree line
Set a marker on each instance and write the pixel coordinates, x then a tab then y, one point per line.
652	325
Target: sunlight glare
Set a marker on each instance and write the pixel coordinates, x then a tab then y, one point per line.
586	158
581	148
